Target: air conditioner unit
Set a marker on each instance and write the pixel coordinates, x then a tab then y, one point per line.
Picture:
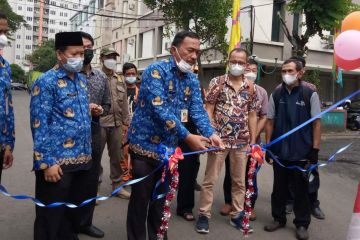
167	46
131	41
132	6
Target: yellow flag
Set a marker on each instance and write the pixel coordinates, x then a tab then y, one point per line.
235	38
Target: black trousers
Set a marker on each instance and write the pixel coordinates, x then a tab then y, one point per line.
188	171
144	213
87	211
1	162
59	223
227	184
282	178
313	196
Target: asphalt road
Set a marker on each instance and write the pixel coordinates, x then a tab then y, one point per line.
337	193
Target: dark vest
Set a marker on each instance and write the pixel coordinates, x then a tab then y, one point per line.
291	110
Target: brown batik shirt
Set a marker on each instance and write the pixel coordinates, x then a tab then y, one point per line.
231	114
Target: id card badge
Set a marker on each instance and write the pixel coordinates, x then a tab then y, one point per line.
184	115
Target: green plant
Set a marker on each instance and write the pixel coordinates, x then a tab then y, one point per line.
313	76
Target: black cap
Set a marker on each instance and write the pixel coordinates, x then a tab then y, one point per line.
64	39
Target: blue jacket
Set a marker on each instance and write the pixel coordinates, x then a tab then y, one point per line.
292	109
163	94
7	129
60	121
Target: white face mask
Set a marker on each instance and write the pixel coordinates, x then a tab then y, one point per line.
183	65
236	70
130	80
110	63
289	79
251	76
3	41
74	64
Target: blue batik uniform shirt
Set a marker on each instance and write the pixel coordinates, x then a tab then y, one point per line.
60	121
7	130
164	93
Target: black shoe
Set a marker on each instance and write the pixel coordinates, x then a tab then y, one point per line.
197	187
202	224
289	208
275	225
302	233
92	231
317	213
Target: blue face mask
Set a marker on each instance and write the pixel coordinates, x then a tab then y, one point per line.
130	80
74	64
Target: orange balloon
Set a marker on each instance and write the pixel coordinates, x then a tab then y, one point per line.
351	22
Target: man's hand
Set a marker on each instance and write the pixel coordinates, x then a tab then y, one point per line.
313	156
268	158
195	142
216	141
53	173
8	159
124	133
96	110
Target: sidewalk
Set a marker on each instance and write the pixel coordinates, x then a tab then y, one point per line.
340	135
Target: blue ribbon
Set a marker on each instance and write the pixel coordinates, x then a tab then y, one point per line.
331	159
311	120
71	205
165	154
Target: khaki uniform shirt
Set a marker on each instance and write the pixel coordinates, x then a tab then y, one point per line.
119	111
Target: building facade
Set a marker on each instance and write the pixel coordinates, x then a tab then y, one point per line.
141	37
44	19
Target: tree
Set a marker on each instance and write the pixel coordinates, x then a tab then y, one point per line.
17	73
43	58
206	18
15	21
320	15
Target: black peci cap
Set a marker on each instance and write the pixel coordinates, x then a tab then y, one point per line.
64	39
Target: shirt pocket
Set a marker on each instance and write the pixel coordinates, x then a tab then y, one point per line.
120	92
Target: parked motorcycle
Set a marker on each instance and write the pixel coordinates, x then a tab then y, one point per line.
353	114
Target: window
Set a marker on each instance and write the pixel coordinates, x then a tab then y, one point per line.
18	46
92	7
66	6
275	31
52	12
65	23
18	57
18	36
27	57
61	5
61	14
30	0
53	3
29	9
61	23
52	21
28	47
101	3
75	6
52	30
65	14
28	37
28	18
19	8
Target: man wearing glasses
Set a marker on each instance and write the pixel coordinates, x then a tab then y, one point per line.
231	104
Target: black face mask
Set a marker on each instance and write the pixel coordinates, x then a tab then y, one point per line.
88	56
